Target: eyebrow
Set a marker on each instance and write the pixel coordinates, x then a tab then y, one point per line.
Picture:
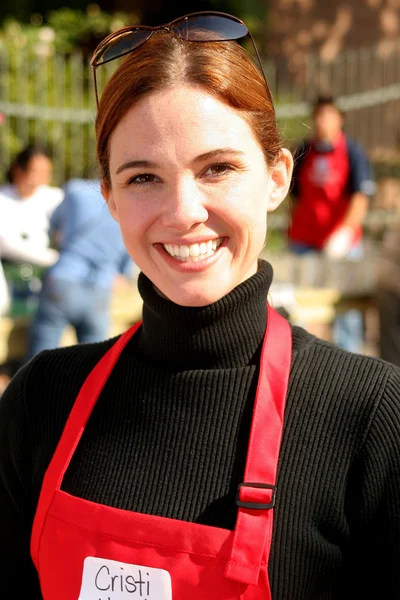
217	152
147	164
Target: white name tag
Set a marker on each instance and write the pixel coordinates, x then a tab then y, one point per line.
105	579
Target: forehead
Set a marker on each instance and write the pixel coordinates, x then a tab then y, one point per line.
184	116
39	161
327	110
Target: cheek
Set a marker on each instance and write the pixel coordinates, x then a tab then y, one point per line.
252	211
133	243
130	227
246	202
257	220
134	225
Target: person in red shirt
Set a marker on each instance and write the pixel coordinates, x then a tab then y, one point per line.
332	183
332	186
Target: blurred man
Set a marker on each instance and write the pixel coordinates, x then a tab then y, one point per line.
332	185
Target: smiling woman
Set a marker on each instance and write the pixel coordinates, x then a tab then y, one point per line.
188	191
201	174
212	451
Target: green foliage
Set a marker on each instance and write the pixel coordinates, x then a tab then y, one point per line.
77	29
65	30
45	68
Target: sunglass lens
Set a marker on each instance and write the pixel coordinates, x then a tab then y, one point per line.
121	45
208	28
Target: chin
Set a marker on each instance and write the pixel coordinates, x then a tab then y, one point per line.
195	301
194	298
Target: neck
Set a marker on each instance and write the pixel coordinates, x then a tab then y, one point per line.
225	334
329	138
24	191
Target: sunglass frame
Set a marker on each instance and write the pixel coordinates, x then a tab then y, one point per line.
169	27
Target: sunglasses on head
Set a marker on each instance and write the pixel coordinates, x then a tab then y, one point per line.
206	26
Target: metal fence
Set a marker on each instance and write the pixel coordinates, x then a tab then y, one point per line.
50	98
366	84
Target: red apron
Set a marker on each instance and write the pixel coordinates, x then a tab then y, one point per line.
94	552
324	198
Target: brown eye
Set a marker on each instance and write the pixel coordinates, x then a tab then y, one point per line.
219	169
141	179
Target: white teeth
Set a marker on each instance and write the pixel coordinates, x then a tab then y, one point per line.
194	252
184	251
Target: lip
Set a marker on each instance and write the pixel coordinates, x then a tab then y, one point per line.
189	266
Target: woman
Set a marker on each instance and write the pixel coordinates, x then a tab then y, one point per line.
26	204
175	476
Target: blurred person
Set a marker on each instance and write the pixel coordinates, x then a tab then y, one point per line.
26	205
388	296
77	289
332	186
20	250
15	248
28	200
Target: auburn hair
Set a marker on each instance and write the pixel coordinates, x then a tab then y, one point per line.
222	69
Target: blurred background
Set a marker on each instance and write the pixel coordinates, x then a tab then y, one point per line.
348	49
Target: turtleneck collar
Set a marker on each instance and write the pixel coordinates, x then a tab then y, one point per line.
225	334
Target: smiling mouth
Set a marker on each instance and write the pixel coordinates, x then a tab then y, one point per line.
194	252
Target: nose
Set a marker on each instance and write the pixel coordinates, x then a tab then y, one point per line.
184	207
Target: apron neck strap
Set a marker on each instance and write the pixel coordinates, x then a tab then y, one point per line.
256	496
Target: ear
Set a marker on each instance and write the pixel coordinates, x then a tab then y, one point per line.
281	176
109	198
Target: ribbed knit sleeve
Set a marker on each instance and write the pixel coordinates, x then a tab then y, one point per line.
17	507
337	516
373	558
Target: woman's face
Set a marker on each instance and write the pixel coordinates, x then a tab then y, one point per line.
190	189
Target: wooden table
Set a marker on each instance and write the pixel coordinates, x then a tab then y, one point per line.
315	307
126	309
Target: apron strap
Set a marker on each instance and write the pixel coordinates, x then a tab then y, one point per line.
256	496
73	431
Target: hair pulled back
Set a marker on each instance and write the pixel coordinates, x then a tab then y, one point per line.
222	69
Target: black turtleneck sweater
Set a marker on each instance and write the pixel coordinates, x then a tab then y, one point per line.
169	434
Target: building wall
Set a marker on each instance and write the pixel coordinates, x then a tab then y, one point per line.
296	27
